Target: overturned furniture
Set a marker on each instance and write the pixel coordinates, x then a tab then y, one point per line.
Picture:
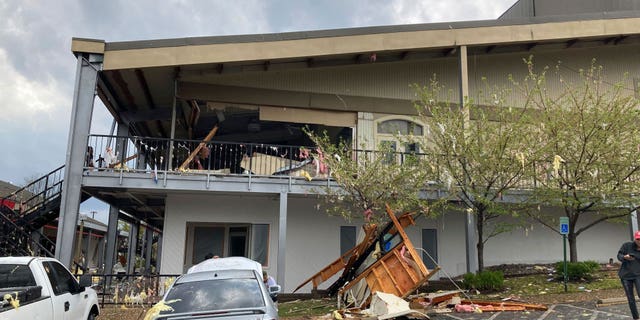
385	261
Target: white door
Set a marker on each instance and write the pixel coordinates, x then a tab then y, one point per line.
67	299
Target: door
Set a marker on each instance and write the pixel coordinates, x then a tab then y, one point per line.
430	245
238	241
67	300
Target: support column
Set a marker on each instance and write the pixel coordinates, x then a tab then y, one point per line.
633	222
79	128
159	254
470	229
169	165
149	250
282	238
133	244
112	240
121	142
101	244
365	132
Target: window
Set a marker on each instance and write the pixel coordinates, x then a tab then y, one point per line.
61	280
16	275
399	127
260	243
430	246
347	238
389	133
226	240
207	240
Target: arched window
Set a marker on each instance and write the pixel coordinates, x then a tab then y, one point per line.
388	130
389	133
400	127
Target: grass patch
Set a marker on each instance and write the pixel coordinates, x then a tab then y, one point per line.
520	286
311	307
547	284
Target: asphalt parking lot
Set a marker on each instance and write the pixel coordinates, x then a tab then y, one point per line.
582	310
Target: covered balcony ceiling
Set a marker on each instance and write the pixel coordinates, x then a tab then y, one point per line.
144	97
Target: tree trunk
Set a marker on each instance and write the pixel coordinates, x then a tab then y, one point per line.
480	245
573	248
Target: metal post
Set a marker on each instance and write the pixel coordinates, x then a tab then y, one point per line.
149	250
564	246
112	240
282	238
87	70
471	234
169	165
133	246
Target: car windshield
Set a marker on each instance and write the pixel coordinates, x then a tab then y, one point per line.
217	294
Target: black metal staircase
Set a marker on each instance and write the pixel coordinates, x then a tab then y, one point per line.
25	211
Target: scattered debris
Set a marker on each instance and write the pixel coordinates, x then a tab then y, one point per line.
384	269
384	261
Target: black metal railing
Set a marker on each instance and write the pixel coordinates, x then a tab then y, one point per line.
18	241
142	290
230	158
36	194
138	154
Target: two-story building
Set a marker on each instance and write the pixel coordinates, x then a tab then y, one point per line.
209	130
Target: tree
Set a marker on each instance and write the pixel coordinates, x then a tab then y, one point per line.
588	129
477	152
367	179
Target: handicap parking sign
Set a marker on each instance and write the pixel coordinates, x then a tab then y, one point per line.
564	225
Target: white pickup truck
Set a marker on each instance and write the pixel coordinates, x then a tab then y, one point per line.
37	288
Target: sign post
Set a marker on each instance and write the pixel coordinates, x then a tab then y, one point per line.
564	230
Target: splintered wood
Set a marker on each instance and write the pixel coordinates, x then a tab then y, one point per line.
384	261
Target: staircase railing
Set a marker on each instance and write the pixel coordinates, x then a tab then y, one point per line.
17	241
36	194
36	200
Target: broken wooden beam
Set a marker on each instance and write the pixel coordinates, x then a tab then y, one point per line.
197	149
528	306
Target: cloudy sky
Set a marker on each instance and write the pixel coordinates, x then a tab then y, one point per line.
37	68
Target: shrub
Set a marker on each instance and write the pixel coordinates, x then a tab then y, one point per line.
577	271
484	281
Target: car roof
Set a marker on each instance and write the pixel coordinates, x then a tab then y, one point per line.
218	274
228	263
22	260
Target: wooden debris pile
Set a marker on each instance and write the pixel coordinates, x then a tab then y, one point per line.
450	301
384	261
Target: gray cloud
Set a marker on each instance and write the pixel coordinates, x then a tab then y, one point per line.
37	68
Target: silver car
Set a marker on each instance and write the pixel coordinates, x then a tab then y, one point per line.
222	294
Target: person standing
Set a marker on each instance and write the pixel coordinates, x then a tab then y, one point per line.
629	273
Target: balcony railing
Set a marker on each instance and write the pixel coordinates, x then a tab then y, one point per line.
138	154
142	154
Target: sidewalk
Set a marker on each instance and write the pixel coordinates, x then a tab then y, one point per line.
614	309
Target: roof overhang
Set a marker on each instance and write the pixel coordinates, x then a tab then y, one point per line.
233	49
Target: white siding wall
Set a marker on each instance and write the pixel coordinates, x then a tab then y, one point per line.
535	243
181	209
313	238
394	80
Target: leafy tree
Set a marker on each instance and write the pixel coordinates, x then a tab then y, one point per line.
588	129
477	152
368	179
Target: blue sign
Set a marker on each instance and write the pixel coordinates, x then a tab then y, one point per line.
564	225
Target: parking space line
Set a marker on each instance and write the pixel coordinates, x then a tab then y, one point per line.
596	311
494	315
546	313
453	317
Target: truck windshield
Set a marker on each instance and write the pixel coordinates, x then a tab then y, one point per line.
218	294
16	275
